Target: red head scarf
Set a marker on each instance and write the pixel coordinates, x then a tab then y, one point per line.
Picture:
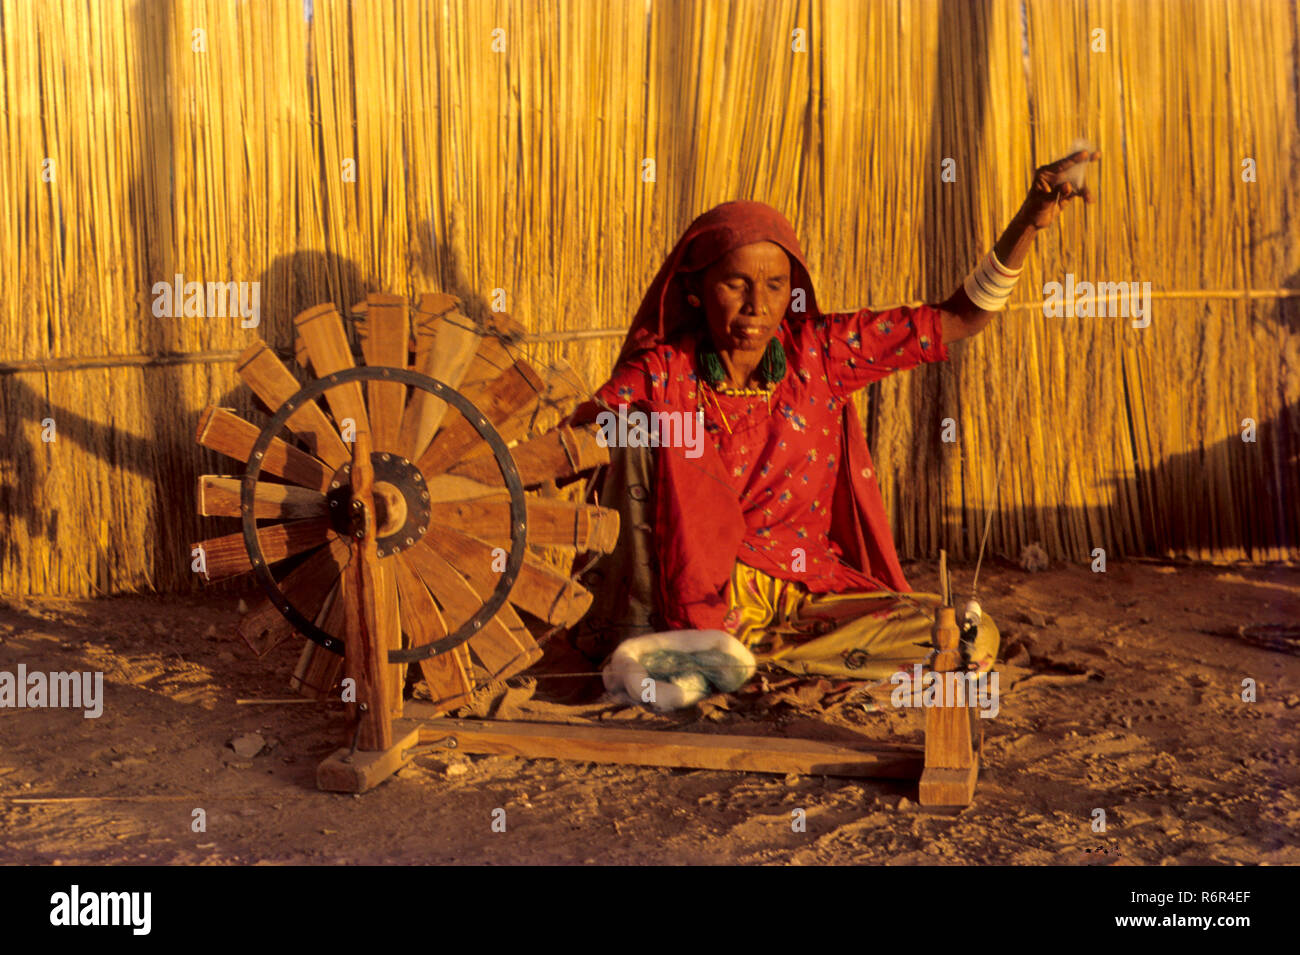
699	526
721	230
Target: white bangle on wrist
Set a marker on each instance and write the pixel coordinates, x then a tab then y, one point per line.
990	283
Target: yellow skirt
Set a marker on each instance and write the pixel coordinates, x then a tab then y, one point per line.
864	635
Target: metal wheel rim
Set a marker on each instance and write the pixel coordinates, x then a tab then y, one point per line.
505	462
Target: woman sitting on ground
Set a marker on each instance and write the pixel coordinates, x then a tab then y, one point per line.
776	533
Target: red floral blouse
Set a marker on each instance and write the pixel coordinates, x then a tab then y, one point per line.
782	463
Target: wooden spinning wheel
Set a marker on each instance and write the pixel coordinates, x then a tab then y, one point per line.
397	515
398	522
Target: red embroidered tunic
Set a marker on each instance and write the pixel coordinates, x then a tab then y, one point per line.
782	466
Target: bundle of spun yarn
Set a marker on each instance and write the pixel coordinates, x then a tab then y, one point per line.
678	668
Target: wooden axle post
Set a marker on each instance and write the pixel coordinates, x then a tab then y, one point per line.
370	628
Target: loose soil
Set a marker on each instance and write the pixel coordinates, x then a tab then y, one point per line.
1121	692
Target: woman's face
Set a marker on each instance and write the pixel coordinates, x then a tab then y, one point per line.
745	295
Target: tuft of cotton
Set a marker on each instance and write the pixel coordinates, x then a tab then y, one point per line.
678	668
1074	175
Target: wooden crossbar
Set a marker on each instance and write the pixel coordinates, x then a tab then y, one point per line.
644	747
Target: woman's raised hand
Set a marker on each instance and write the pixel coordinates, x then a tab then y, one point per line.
1054	185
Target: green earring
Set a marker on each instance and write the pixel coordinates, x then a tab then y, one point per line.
771	369
710	364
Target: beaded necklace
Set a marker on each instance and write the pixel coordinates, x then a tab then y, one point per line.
771	370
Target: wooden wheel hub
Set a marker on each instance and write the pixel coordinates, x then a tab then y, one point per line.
390	514
401	498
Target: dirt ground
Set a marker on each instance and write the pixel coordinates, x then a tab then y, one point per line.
1122	692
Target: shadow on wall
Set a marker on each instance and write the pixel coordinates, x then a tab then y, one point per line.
442	268
1199	524
296	282
1264	475
1257	519
290	285
168	458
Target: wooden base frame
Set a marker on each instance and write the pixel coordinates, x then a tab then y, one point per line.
947	765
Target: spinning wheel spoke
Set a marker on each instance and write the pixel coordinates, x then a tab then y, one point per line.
493	356
446	487
326	346
522	425
227	556
521	636
551	521
319	671
560	389
560	453
226	432
385	338
541	590
219	497
309	584
262	371
501	649
445	343
447	674
499	403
